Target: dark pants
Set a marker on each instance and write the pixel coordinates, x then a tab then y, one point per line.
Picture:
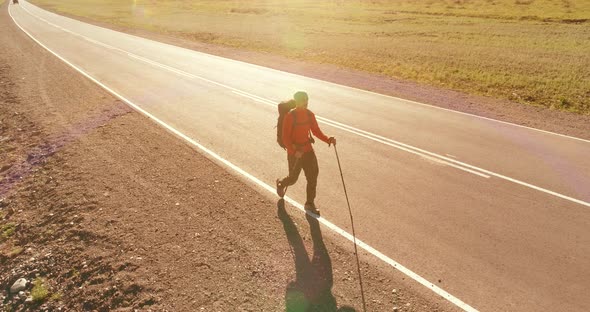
309	163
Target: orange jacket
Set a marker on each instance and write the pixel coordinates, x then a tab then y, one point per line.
298	134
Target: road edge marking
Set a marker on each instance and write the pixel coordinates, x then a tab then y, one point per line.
362	133
343	85
372	136
439	291
340	85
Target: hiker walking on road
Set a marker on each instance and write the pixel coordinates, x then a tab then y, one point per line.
297	126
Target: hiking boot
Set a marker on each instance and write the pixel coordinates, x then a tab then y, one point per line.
312	208
280	189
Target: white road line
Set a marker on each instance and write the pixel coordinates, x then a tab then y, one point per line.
251	97
338	126
273	104
358	89
439	291
406	147
491	173
387	96
375	137
411	149
174	70
327	122
395	144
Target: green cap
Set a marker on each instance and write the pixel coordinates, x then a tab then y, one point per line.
300	97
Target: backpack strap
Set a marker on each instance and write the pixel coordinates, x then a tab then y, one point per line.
292	112
309	116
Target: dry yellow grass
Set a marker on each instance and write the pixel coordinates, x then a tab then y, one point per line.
529	51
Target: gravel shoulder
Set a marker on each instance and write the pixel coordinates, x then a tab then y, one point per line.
105	210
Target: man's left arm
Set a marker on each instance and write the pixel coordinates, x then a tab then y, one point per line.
315	129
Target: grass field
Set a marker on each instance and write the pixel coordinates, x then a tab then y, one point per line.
529	51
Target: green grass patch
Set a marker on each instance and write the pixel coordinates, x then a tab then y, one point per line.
15	252
74	273
6	231
529	51
56	296
40	292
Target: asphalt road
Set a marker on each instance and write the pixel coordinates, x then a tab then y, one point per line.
495	214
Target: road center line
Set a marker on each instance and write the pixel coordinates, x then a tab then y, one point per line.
460	165
439	291
351	130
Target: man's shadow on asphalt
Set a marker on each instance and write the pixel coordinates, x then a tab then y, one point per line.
312	288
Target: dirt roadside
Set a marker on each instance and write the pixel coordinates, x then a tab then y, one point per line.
562	122
105	210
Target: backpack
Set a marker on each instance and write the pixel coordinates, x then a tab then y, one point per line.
285	108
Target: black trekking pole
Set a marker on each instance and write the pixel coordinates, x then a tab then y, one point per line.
358	265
